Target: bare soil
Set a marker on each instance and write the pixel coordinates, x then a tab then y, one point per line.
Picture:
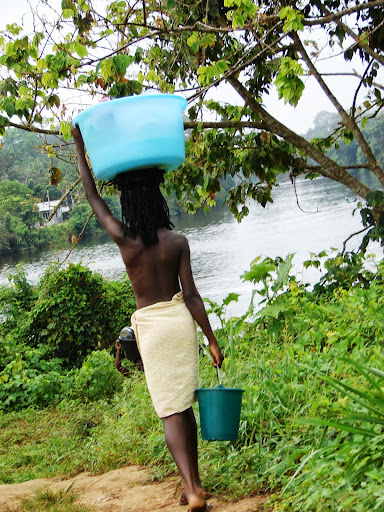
129	489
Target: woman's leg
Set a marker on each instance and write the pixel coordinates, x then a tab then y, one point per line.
180	432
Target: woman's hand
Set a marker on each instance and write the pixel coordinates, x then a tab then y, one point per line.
118	344
77	137
217	355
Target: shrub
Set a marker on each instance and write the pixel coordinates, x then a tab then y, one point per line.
15	300
96	379
30	380
74	312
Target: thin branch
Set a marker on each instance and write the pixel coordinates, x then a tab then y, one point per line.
354	166
82	231
197	27
63	198
293	181
353	108
35	129
360	42
78	238
357	75
225	124
329	17
351	236
144	14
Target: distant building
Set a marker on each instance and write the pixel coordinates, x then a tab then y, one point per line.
46	209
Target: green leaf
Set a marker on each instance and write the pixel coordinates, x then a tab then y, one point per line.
362	369
272	310
121	62
81	50
354	393
134	31
232	297
68	13
375	198
283	270
41	64
193	41
65	130
259	271
335	424
4	121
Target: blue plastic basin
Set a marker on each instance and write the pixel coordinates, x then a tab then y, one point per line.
134	133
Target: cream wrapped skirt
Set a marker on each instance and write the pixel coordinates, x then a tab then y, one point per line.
167	341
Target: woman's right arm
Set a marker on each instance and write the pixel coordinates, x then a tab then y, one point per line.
119	367
112	225
195	304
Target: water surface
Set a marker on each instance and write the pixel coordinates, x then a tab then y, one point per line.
222	249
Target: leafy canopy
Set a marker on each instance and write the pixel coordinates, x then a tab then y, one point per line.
120	48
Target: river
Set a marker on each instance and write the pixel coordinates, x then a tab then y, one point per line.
222	249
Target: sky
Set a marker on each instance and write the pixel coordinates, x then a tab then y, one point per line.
299	119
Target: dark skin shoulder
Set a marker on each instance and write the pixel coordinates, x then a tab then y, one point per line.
157	272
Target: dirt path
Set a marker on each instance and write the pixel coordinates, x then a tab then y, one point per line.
122	490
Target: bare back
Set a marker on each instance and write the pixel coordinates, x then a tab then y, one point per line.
153	271
157	272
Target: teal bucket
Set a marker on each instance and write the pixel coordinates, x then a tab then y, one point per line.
219	412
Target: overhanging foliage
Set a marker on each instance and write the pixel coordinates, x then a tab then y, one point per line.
190	48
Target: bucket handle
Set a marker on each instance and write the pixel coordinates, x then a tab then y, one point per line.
217	368
218	375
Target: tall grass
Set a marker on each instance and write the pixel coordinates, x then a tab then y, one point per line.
47	500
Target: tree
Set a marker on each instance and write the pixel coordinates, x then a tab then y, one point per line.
18	216
191	48
16	200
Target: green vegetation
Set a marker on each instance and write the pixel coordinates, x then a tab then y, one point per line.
47	500
21	225
310	361
250	47
48	330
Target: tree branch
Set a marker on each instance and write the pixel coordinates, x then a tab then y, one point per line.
354	166
351	236
336	16
262	19
329	168
348	121
356	37
197	27
353	108
225	124
68	191
34	129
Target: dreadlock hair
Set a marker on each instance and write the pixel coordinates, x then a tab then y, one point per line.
143	207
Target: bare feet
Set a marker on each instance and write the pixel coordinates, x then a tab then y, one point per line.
183	499
204	508
198	504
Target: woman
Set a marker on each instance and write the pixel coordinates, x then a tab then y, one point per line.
157	261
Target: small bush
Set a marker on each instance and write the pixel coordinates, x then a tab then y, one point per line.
47	500
96	379
30	380
16	300
75	312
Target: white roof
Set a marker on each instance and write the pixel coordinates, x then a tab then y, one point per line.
47	206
